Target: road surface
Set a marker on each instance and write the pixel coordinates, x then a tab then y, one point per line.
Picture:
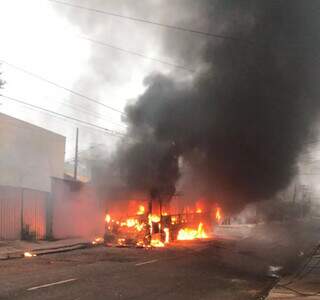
236	266
212	269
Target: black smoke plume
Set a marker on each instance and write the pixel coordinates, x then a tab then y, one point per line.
242	122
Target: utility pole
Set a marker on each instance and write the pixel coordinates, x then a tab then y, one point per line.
76	157
294	193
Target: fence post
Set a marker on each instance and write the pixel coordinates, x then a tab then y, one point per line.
48	217
22	210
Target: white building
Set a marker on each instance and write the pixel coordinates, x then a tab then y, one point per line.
29	155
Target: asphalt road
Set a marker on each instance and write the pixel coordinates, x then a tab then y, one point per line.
213	269
235	267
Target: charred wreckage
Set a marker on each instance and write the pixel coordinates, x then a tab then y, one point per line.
154	223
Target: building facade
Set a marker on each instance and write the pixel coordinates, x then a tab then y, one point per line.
29	155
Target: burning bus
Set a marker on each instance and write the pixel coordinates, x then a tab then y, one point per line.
156	225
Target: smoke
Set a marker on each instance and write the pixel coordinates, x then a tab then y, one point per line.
1	81
240	125
112	76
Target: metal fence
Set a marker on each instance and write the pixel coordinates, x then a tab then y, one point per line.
10	213
22	213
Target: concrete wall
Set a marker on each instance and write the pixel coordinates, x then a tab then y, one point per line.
29	155
76	210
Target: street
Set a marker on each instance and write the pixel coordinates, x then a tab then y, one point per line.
236	263
192	270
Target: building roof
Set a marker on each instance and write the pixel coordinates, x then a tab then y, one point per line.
25	125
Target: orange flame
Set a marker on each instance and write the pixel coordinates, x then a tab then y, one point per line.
97	240
141	210
156	243
191	234
121	242
29	254
107	218
218	214
154	218
145	229
167	235
131	222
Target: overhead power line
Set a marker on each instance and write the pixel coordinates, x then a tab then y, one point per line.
84	151
167	26
106	130
84	110
60	86
136	53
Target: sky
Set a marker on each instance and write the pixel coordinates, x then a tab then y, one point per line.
43	38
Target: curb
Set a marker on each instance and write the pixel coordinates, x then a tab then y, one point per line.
44	251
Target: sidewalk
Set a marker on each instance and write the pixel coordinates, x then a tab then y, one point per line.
304	284
17	249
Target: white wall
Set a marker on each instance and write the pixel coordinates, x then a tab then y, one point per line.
29	155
